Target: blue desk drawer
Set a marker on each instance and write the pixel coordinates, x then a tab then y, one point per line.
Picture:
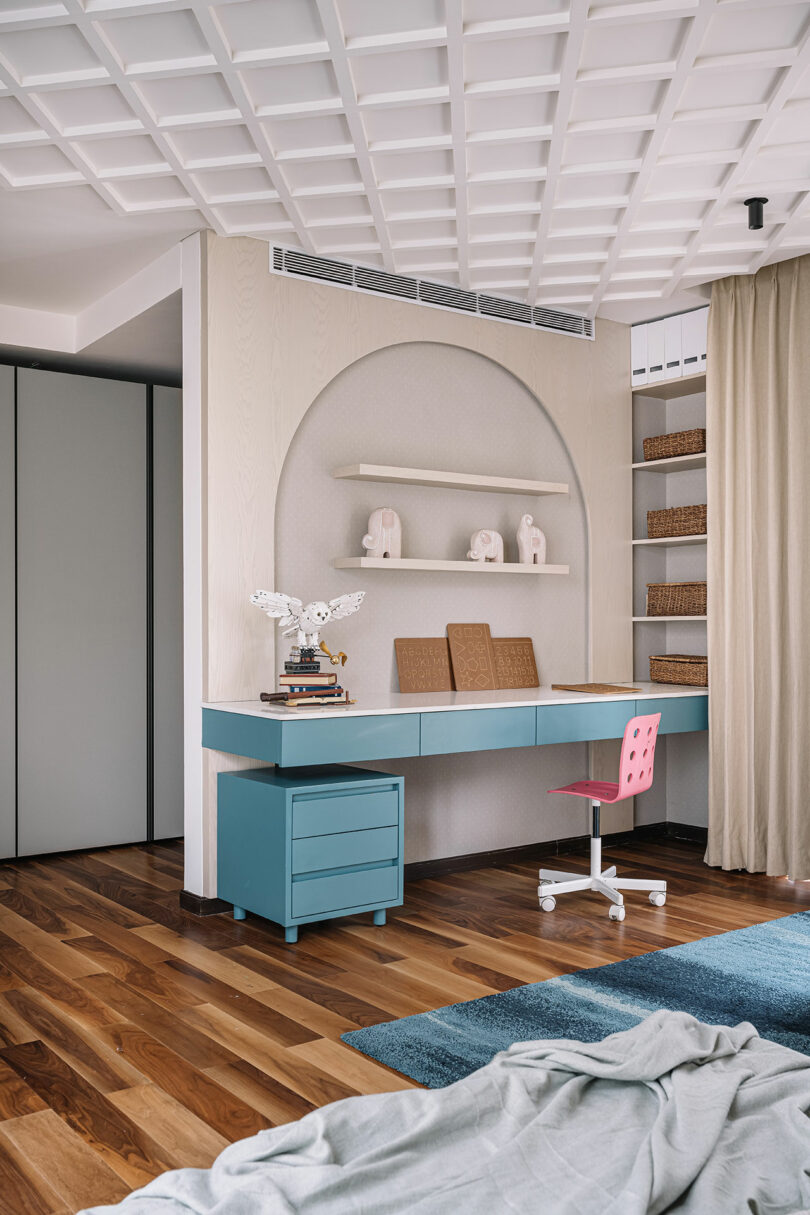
476	730
330	740
678	714
313	896
583	722
340	851
344	812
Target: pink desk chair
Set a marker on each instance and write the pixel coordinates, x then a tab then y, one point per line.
635	775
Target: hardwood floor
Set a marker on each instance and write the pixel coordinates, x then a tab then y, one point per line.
135	1037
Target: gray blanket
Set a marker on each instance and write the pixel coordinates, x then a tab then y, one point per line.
672	1115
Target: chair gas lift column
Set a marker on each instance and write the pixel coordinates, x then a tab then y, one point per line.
635	776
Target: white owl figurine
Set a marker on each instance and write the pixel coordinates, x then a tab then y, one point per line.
305	622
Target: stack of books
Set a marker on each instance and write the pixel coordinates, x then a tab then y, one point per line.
302	673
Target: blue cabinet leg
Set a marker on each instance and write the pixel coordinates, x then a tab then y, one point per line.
291	934
379	916
239	913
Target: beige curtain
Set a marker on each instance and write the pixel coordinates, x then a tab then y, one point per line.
758	440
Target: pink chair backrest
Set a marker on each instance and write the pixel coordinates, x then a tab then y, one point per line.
638	754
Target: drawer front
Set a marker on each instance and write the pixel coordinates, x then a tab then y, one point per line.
345	891
242	734
344	812
339	851
477	730
334	740
582	723
679	714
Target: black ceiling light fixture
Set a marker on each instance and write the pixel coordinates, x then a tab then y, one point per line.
755	206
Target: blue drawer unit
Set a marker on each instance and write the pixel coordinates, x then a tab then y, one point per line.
583	722
678	714
477	730
305	844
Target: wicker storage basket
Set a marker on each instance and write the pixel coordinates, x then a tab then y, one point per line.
676	598
681	443
677	521
692	669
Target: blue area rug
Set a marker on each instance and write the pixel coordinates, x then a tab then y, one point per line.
759	974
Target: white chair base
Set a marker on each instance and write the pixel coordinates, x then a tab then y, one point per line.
554	882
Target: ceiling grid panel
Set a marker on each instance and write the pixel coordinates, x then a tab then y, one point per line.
348	90
740	182
180	193
575	37
690	47
591	155
454	20
243	199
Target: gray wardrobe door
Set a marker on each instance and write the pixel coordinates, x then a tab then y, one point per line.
7	639
168	612
81	617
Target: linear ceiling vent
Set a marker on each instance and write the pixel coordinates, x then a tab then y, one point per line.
313	267
563	322
448	297
422	291
506	310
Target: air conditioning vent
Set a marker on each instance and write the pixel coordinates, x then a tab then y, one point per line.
420	291
507	310
387	284
563	322
448	297
314	267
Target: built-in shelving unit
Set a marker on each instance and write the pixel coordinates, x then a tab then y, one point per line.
669	405
422	563
447	480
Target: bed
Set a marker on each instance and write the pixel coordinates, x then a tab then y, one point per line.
671	1115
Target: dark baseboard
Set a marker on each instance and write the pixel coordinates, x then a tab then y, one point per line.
530	852
673	831
197	905
443	865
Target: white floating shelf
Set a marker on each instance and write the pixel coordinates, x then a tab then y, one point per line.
665	619
668	390
671	541
447	480
466	567
672	464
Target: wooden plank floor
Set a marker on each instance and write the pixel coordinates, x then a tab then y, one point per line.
135	1037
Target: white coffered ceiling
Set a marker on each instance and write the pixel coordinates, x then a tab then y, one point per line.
589	156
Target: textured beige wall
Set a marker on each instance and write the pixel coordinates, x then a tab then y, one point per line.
273	344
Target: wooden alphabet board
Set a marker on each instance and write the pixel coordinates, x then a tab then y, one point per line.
514	662
423	664
473	657
599	689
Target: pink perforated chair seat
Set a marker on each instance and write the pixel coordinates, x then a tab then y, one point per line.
635	765
599	790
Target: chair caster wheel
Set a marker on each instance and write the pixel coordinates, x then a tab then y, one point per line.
617	913
548	903
658	898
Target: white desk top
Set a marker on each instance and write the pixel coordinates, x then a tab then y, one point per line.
438	702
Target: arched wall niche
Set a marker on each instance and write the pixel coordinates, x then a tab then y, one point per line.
269	347
432	405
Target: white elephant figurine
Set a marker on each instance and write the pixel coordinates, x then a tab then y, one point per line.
384	536
486	546
531	543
